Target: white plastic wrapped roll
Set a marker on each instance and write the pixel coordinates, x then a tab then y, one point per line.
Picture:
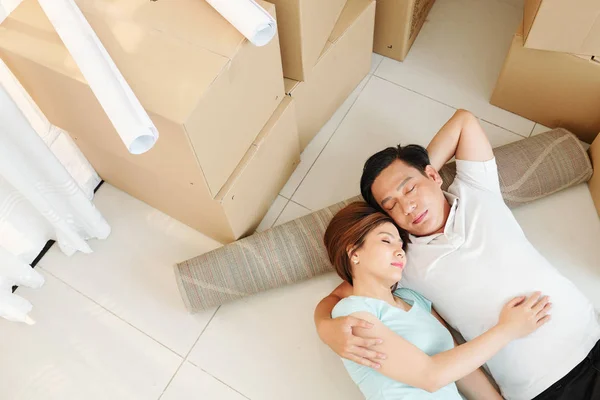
253	21
110	88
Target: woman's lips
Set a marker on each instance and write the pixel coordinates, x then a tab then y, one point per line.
399	265
420	218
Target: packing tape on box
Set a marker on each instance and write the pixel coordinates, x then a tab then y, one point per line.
122	107
253	21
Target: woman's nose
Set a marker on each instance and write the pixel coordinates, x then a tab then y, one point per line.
400	253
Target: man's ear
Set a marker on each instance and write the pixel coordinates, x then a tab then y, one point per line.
432	174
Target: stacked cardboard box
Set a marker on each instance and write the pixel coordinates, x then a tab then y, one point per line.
343	59
228	136
551	74
397	25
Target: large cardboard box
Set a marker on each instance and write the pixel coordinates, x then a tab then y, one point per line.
345	60
208	91
245	198
594	183
554	89
304	26
203	84
563	25
397	24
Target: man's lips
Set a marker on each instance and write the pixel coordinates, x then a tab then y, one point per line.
420	218
399	265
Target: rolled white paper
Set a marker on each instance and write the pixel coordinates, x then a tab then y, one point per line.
122	107
253	21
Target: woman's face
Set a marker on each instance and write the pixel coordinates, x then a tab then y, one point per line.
381	255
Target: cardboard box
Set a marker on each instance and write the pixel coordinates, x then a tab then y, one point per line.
244	199
345	60
594	183
397	24
204	85
553	89
563	25
304	26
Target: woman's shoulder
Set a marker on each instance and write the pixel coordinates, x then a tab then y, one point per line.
353	304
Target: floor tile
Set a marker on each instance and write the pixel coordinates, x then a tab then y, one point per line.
314	148
568	240
266	346
78	350
273	213
539	128
499	136
458	55
375	61
292	211
191	383
131	273
384	115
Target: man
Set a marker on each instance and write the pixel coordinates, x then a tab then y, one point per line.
469	256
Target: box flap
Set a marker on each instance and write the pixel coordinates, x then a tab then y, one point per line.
563	26
594	183
142	54
290	85
349	14
193	21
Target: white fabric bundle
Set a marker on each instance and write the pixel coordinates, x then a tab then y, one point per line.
253	21
58	140
114	94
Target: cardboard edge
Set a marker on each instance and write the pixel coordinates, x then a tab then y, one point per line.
254	147
594	182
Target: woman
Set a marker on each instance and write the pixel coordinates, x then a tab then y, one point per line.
367	250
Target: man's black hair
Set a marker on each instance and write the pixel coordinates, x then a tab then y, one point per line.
414	155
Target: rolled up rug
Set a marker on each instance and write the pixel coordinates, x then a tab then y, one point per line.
528	169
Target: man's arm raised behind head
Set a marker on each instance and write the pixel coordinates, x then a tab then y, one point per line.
462	136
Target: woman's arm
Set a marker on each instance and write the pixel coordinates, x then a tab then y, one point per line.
408	364
476	385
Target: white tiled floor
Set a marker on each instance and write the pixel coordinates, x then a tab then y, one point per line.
111	325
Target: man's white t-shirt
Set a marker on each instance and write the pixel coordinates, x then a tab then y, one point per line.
483	260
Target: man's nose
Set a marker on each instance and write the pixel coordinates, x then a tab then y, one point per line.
408	206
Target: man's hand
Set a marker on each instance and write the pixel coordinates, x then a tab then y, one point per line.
338	334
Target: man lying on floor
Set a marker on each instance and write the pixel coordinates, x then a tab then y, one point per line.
468	255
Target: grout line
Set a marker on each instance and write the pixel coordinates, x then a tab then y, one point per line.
447	105
330	137
295	202
532	129
378	64
280	212
224	383
110	312
188	354
501	127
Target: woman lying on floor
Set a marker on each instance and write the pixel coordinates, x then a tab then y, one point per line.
367	250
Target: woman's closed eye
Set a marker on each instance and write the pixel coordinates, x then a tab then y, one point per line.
411	189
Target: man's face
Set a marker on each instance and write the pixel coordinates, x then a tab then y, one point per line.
415	201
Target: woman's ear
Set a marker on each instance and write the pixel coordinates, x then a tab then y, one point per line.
432	174
352	255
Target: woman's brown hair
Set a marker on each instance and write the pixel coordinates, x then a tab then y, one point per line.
348	229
